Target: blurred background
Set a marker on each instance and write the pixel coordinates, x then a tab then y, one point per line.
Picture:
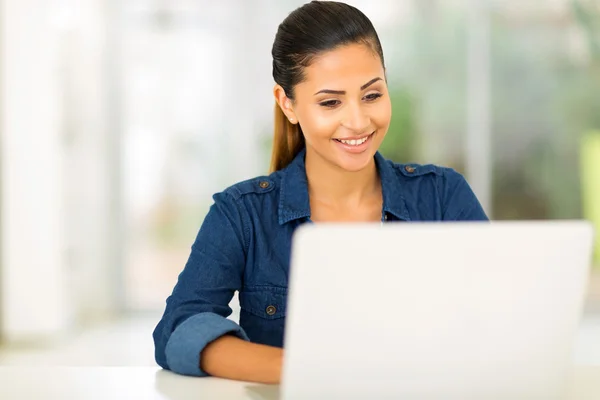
120	119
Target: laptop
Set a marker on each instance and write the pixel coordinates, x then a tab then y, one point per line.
465	310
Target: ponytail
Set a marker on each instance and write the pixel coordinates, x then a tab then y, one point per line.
288	141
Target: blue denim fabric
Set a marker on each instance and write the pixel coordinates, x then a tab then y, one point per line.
244	245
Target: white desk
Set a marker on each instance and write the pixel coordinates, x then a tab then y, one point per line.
102	383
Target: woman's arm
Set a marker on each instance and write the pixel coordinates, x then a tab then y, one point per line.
196	312
233	358
459	203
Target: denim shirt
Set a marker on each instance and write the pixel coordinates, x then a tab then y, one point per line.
244	245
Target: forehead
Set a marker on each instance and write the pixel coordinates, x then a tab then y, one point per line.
343	67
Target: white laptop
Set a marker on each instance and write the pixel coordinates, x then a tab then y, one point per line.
433	310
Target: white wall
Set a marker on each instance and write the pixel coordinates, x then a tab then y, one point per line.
90	157
33	291
60	218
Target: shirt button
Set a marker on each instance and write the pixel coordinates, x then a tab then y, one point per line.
264	184
271	310
409	169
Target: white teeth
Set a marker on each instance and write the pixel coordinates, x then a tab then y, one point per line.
354	142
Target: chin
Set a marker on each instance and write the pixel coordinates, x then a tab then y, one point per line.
355	163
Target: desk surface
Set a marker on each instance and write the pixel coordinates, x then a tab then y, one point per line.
148	383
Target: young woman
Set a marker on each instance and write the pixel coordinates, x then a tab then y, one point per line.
332	113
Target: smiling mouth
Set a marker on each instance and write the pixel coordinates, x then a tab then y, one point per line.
355	142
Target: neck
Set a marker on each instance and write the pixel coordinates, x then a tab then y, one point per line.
333	185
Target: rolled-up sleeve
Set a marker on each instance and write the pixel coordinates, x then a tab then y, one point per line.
459	201
197	310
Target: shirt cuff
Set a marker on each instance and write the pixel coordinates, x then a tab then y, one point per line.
189	339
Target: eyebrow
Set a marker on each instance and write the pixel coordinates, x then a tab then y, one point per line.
340	92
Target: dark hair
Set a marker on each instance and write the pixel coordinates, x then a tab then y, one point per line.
308	31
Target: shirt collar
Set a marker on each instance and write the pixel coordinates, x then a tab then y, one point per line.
293	197
391	186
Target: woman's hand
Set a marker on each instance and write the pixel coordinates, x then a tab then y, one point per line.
232	358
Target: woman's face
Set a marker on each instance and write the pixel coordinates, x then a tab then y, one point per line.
343	106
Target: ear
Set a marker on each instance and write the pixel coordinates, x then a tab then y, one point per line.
285	103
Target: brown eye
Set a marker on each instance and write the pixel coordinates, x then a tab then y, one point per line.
373	96
329	103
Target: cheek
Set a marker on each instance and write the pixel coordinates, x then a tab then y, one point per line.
382	115
319	124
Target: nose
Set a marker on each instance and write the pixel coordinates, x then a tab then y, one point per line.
356	118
